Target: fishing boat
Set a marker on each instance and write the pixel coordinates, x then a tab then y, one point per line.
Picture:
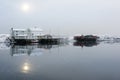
86	38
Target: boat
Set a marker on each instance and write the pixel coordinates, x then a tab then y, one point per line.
86	38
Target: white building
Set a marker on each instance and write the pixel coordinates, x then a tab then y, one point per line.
30	33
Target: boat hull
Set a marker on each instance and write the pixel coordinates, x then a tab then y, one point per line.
86	38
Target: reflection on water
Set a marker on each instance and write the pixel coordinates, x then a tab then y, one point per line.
38	49
26	67
33	49
66	62
86	43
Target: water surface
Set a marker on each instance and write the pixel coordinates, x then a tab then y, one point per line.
61	62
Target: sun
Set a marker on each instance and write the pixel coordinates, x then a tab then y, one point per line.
25	7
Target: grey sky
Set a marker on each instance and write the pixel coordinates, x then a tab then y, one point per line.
62	16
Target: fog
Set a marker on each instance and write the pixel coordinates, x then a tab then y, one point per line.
65	17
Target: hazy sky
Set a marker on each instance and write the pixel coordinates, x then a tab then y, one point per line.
62	16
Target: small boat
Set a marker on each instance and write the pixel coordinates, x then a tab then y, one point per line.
86	38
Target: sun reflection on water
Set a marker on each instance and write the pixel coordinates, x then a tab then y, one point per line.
26	68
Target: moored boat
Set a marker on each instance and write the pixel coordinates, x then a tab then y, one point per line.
86	38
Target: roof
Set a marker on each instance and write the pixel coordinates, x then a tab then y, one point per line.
19	29
35	29
22	35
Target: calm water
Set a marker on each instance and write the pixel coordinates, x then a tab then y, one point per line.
61	62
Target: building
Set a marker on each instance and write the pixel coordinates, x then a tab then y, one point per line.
30	33
26	35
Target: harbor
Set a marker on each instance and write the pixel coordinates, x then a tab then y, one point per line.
59	40
36	35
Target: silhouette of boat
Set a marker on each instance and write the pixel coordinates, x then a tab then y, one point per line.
86	43
86	38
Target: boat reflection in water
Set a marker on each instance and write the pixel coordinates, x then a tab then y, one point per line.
86	43
31	49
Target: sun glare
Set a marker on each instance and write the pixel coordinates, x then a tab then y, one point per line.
25	68
25	7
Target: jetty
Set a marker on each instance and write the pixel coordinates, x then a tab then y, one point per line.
31	35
